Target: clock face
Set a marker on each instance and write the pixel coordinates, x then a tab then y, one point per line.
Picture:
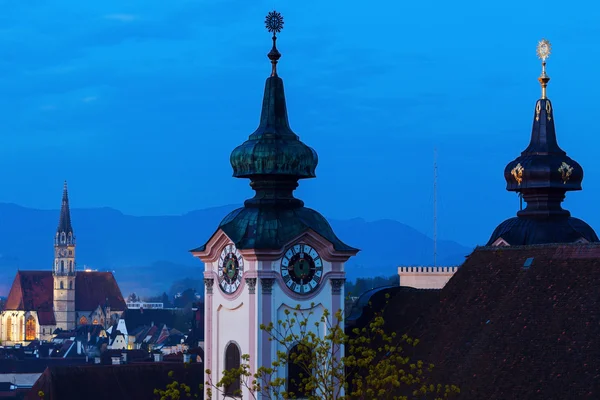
62	253
302	268
231	269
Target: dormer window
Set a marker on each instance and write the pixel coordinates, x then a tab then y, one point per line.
63	237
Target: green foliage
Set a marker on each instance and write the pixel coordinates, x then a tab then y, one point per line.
374	365
176	391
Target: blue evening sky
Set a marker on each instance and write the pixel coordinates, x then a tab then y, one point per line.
139	103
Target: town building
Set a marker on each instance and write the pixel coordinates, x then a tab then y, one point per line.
273	254
40	302
519	319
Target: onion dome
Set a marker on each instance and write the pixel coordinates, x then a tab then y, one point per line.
274	151
542	174
274	159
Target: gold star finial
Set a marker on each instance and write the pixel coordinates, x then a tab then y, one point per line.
544	48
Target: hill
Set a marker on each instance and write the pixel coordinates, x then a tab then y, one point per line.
148	253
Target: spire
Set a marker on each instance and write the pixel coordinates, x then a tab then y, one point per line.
274	24
273	157
543	173
64	222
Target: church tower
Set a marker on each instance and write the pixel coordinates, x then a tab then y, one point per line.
273	254
64	268
542	175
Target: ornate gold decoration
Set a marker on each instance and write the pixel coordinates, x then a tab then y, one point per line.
517	173
548	110
565	170
544	48
543	51
538	109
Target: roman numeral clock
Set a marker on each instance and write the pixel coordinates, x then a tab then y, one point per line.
273	255
302	269
230	269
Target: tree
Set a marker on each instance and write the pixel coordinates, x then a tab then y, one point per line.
374	364
132	298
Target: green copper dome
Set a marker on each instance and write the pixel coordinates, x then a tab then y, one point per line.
274	159
274	149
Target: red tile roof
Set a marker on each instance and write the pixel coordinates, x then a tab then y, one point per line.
501	331
33	291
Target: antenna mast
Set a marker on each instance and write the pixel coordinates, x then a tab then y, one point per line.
434	207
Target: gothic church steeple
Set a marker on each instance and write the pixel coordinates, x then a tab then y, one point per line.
64	267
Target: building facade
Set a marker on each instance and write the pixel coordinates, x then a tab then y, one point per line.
273	254
420	277
40	302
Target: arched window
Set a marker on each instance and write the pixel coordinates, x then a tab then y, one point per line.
62	286
63	237
9	329
21	324
62	266
71	285
30	329
299	359
83	321
232	361
70	265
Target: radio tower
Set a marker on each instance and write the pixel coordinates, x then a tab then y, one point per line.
434	207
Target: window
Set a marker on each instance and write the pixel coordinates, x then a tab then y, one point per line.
71	285
30	329
298	360
62	286
83	321
232	360
21	324
95	321
62	266
9	329
70	265
70	252
63	237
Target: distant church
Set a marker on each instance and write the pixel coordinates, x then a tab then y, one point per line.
40	302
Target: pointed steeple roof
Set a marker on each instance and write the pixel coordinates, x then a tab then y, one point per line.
273	156
64	221
274	159
542	174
